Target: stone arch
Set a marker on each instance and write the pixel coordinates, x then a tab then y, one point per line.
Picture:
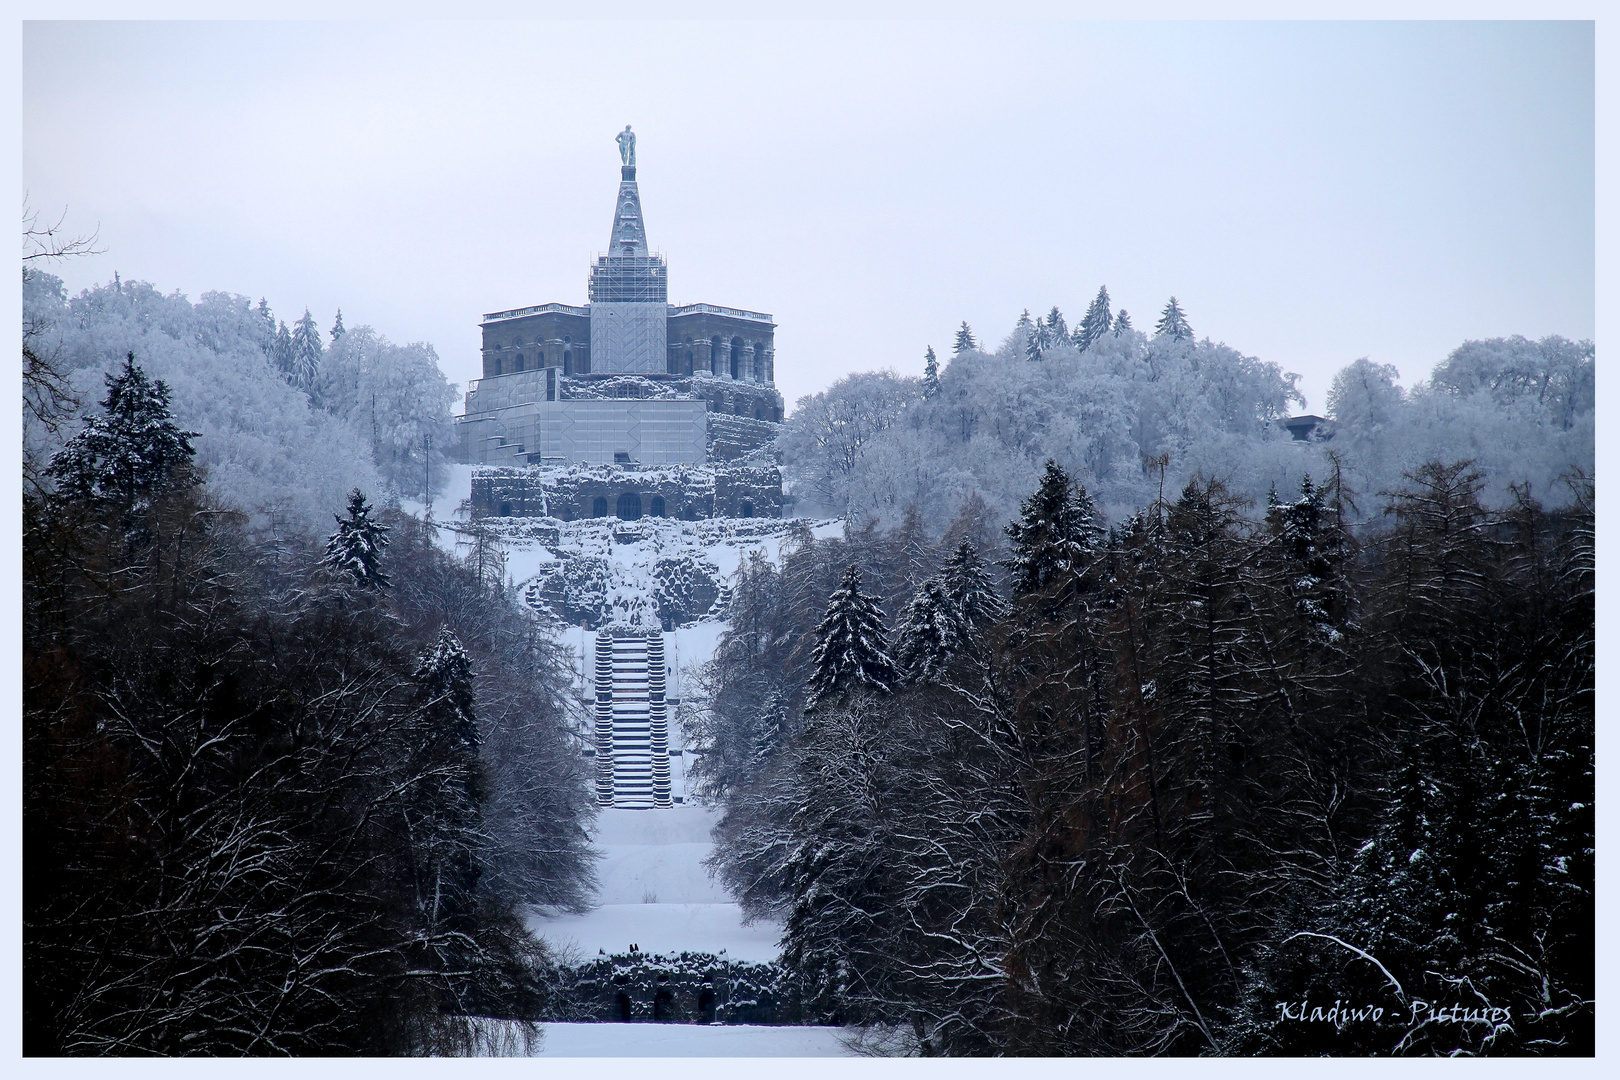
629	507
747	509
736	357
623	1002
599	506
706	1005
519	366
568	363
655	508
664	1005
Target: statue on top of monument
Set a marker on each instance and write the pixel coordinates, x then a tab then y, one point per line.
627	145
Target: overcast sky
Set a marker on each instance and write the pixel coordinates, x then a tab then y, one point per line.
1311	193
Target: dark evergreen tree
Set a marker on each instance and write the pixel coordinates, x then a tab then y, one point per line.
930	373
1122	322
964	339
1097	322
356	548
1173	323
446	678
852	652
132	451
1057	532
337	327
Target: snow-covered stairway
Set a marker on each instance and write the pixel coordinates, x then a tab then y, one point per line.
632	723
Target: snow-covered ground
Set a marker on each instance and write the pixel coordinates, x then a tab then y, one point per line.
656	894
690	1040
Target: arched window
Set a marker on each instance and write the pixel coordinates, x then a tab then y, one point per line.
664	1006
599	506
623	1002
686	368
568	363
629	508
519	362
736	357
747	509
656	507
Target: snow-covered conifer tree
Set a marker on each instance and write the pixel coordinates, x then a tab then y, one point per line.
445	676
357	546
1096	323
971	592
1057	532
132	450
283	352
337	327
306	342
930	374
1122	322
926	636
851	650
1057	329
964	339
1173	322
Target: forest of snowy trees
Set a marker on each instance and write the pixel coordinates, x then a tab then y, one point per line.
1208	778
287	420
1106	401
287	789
1116	722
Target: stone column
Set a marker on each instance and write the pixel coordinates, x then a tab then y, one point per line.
722	363
769	375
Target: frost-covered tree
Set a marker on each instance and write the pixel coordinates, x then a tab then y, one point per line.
285	354
1056	328
356	548
1097	322
930	373
337	327
828	432
852	651
132	450
1173	323
1122	322
1365	396
306	349
964	339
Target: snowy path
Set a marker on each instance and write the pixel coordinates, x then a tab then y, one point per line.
690	1040
656	893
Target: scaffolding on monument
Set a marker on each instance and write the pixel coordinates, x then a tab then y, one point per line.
629	279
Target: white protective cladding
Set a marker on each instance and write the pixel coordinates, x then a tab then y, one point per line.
630	338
